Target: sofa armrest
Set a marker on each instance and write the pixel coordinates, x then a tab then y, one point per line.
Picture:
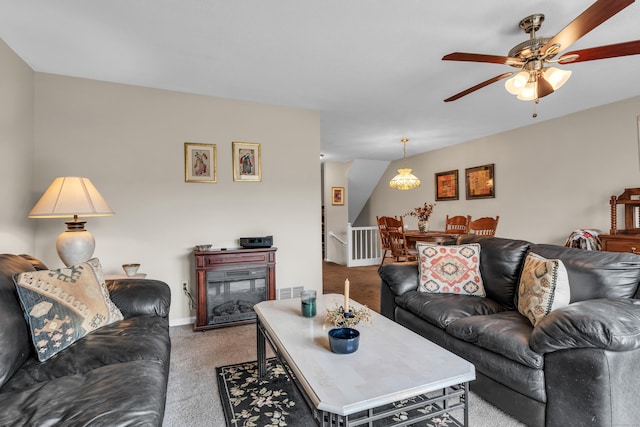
136	297
608	323
400	277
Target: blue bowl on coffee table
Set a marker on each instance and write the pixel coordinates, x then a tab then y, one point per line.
344	340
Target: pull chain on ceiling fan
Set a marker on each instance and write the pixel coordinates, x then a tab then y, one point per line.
536	79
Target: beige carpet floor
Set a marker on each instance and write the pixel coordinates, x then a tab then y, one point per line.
192	396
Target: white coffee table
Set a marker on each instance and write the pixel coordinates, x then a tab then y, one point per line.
392	364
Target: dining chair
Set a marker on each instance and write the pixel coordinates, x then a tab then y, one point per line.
398	242
457	224
385	245
485	226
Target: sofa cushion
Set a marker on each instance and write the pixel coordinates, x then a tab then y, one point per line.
121	394
451	269
64	305
506	333
596	274
442	309
544	286
501	262
15	344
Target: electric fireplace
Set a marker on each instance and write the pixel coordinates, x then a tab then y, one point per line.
229	283
232	294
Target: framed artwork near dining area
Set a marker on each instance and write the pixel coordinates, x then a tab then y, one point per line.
447	185
480	182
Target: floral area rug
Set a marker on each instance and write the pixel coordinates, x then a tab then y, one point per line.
274	400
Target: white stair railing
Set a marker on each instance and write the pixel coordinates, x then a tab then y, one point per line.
363	246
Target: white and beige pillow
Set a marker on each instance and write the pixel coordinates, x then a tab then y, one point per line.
543	287
64	305
451	269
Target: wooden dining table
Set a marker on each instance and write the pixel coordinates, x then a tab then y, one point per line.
414	236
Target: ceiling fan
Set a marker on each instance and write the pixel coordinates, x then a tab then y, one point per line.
536	79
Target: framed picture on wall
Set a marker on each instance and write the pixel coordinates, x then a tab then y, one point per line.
247	162
447	185
199	162
337	195
480	182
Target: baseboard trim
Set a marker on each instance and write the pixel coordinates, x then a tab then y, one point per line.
182	321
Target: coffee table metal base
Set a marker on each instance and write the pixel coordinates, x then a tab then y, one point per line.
441	404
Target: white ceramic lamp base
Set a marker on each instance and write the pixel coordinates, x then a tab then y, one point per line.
75	246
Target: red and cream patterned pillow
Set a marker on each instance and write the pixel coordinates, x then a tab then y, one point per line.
543	287
450	269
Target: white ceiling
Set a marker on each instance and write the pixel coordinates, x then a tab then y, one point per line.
372	68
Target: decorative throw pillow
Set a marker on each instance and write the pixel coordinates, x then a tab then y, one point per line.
64	305
544	287
450	269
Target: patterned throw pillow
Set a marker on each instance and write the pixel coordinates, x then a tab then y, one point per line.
64	305
544	287
450	269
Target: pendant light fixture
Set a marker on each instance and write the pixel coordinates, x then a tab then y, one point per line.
405	180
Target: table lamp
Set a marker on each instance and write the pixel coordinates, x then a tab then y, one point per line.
69	197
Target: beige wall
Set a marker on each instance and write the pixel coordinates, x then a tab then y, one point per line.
16	152
130	142
552	177
336	217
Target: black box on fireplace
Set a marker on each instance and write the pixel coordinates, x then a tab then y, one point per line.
256	242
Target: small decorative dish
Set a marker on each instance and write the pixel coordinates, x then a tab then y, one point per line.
202	248
130	269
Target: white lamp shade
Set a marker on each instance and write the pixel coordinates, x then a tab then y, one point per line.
69	196
528	93
556	77
515	84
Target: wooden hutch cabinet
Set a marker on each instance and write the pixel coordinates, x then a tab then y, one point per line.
229	283
627	239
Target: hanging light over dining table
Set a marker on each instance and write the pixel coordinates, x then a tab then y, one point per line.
405	180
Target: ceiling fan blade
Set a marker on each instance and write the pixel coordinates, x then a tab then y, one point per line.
601	52
595	15
478	57
478	86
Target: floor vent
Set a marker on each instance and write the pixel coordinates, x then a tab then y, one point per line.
288	293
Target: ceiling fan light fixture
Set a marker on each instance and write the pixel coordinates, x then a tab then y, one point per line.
515	84
405	180
556	77
528	92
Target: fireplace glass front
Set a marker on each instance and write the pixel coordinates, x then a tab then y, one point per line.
231	295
